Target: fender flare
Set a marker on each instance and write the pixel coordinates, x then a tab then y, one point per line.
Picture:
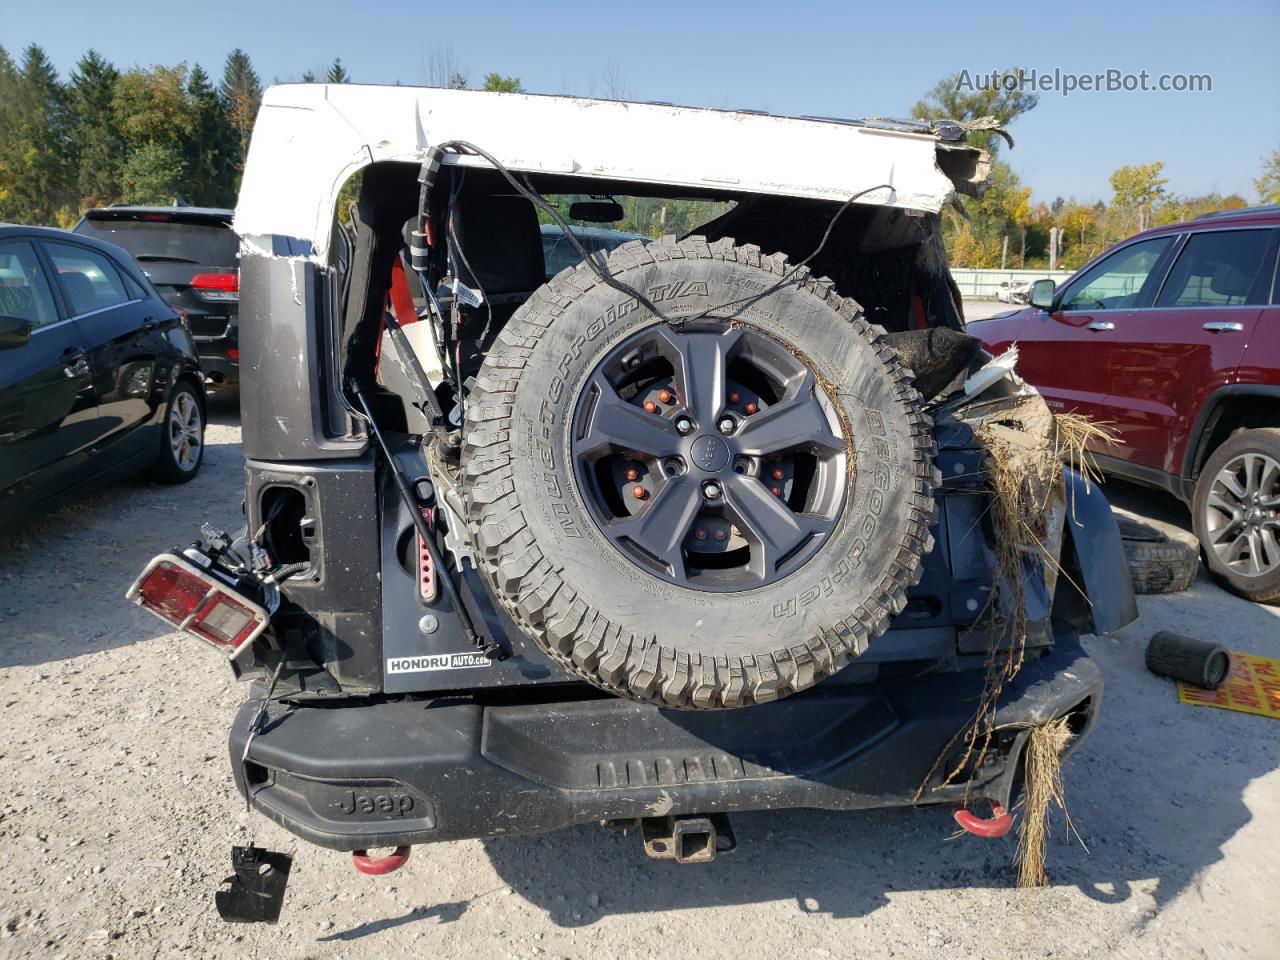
1093	562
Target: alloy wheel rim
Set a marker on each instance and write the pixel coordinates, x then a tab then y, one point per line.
710	456
185	435
1242	515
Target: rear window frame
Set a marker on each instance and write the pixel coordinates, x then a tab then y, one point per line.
1270	258
115	229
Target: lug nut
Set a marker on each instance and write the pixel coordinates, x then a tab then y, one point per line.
711	490
639	492
727	425
776	491
632	473
721	535
750	408
700	534
684	425
777	474
665	396
650	407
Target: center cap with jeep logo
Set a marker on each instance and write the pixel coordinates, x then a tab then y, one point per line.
709	453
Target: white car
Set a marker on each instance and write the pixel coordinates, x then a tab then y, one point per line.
1011	292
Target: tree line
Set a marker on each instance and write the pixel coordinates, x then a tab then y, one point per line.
158	135
107	135
169	134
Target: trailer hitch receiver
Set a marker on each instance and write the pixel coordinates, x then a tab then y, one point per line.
687	839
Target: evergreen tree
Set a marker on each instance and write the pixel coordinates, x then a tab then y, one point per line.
98	144
154	174
337	73
242	93
210	149
37	172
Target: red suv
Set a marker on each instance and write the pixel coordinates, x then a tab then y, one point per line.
1172	337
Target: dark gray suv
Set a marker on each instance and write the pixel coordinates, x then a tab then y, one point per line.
190	255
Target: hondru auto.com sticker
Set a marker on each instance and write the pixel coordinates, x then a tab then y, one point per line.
437	661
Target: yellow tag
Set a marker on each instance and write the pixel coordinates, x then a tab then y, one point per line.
1252	686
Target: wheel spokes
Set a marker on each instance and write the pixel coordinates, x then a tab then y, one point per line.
775	529
618	425
798	421
701	360
660	528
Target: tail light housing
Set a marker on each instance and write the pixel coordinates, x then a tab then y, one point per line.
217	287
195	601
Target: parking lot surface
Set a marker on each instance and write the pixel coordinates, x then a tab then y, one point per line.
118	812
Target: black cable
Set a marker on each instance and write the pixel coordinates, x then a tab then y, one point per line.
796	268
541	203
610	280
491	649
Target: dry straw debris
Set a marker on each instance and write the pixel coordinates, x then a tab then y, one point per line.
1026	449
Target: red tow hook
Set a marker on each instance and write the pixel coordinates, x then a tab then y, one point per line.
997	826
382	865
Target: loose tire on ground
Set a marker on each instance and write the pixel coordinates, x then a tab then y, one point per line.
1158	562
1236	511
622	627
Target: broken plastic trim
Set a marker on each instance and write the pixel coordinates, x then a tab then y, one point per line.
254	893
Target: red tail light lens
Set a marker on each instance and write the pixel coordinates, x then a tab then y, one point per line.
217	287
177	591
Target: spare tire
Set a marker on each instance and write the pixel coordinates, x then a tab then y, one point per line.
703	515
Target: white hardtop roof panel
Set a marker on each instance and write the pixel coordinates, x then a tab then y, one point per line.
310	138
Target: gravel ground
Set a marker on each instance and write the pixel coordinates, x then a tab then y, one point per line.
119	813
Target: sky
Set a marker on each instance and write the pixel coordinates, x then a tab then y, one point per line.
821	58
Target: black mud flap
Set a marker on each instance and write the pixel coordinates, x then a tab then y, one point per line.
255	892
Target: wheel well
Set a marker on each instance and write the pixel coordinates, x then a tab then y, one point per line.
1231	415
194	379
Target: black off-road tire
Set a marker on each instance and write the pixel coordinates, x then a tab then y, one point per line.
598	613
1159	562
1264	588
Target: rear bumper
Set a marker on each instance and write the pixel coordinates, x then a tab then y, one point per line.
351	777
215	359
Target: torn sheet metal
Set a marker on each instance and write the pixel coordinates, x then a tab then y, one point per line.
310	138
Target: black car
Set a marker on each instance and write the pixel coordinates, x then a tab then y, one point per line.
98	375
190	254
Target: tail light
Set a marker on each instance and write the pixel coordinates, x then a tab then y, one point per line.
193	600
217	287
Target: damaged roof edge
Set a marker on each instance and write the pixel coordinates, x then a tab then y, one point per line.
310	138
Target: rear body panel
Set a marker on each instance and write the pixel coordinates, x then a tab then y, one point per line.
424	771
